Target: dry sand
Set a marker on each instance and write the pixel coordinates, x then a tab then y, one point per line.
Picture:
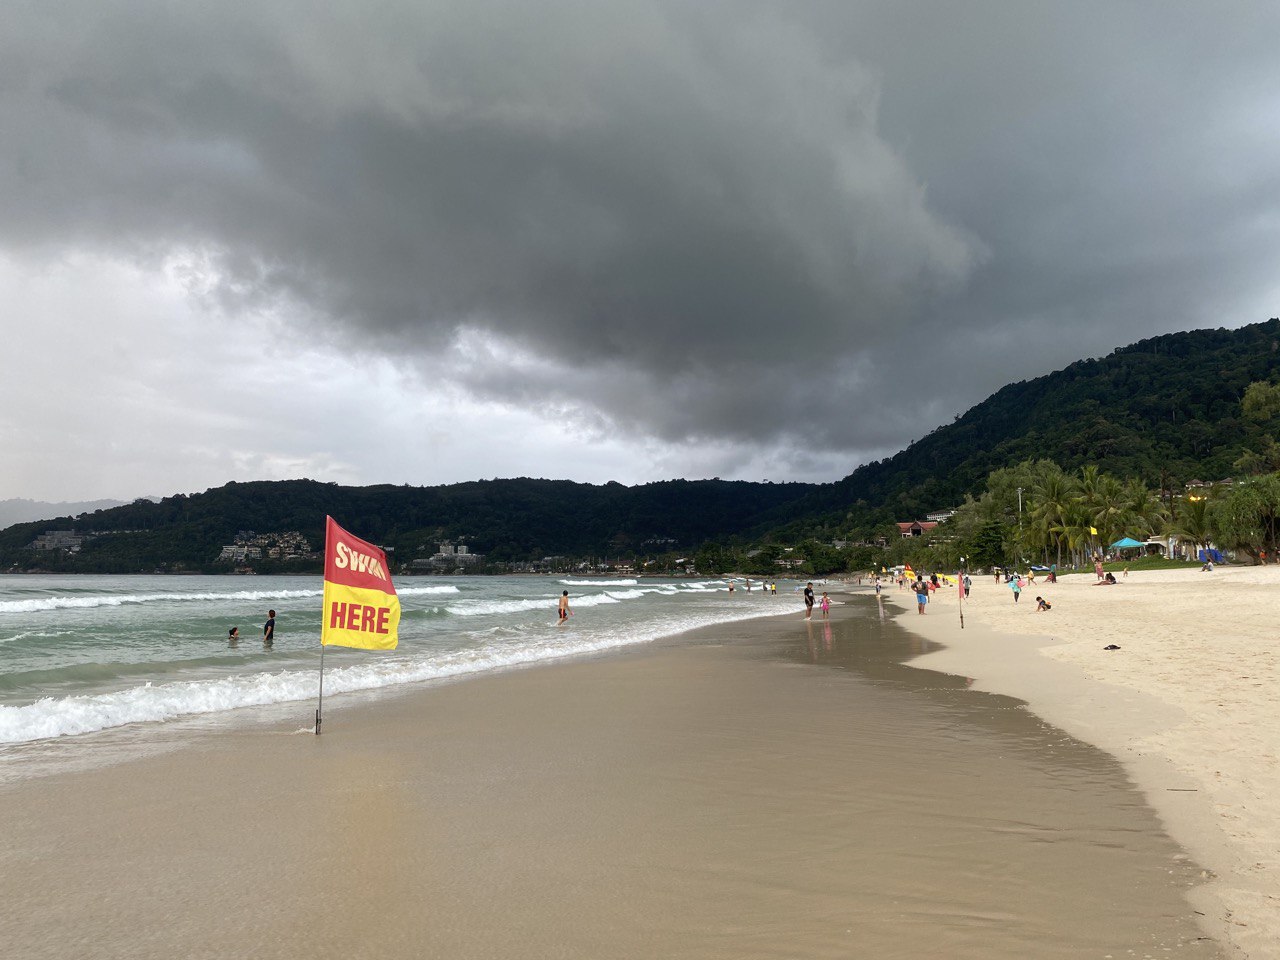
1190	703
770	789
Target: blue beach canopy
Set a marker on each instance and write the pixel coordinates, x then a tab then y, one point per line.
1126	543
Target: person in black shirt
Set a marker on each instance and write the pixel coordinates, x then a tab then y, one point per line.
269	629
808	601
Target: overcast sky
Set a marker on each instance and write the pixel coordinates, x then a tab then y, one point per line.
423	242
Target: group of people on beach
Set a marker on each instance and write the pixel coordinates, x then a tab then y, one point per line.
268	633
766	586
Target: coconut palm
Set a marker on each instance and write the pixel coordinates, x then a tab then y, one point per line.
1193	522
1108	508
1074	529
1052	497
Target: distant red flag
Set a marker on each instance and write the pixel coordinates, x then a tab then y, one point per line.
960	580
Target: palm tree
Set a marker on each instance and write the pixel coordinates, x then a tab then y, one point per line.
1193	522
1146	511
1052	497
1108	508
1074	529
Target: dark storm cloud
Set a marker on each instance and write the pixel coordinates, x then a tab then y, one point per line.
682	220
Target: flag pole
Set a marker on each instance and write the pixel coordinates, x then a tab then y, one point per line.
960	581
320	702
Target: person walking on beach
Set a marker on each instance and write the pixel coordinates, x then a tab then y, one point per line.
967	585
826	605
922	594
565	612
808	601
269	630
1016	587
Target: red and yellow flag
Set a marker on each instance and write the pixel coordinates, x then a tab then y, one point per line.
361	608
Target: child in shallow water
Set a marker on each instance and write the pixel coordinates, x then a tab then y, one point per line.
826	605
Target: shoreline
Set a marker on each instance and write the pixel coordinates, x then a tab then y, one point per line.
1188	704
726	794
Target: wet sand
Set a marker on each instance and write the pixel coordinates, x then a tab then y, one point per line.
762	789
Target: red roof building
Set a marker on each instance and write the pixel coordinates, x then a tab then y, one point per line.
915	528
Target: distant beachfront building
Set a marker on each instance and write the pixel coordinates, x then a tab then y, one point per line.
236	553
915	528
449	557
289	545
67	540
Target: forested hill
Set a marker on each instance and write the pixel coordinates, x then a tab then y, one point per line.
1166	410
508	520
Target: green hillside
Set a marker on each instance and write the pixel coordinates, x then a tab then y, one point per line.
1164	410
507	520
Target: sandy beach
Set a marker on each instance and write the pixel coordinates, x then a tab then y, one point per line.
770	788
1190	703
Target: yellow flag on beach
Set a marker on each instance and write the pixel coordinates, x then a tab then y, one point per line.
361	608
1094	531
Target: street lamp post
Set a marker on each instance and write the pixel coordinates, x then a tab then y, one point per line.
1019	520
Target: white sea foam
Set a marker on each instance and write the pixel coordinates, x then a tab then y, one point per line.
480	608
600	583
628	594
68	716
39	604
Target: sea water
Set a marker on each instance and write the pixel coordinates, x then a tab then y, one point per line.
82	654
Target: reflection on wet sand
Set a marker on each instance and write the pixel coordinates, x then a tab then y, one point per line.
763	789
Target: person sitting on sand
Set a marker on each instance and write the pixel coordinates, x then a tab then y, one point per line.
1043	604
1108	579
